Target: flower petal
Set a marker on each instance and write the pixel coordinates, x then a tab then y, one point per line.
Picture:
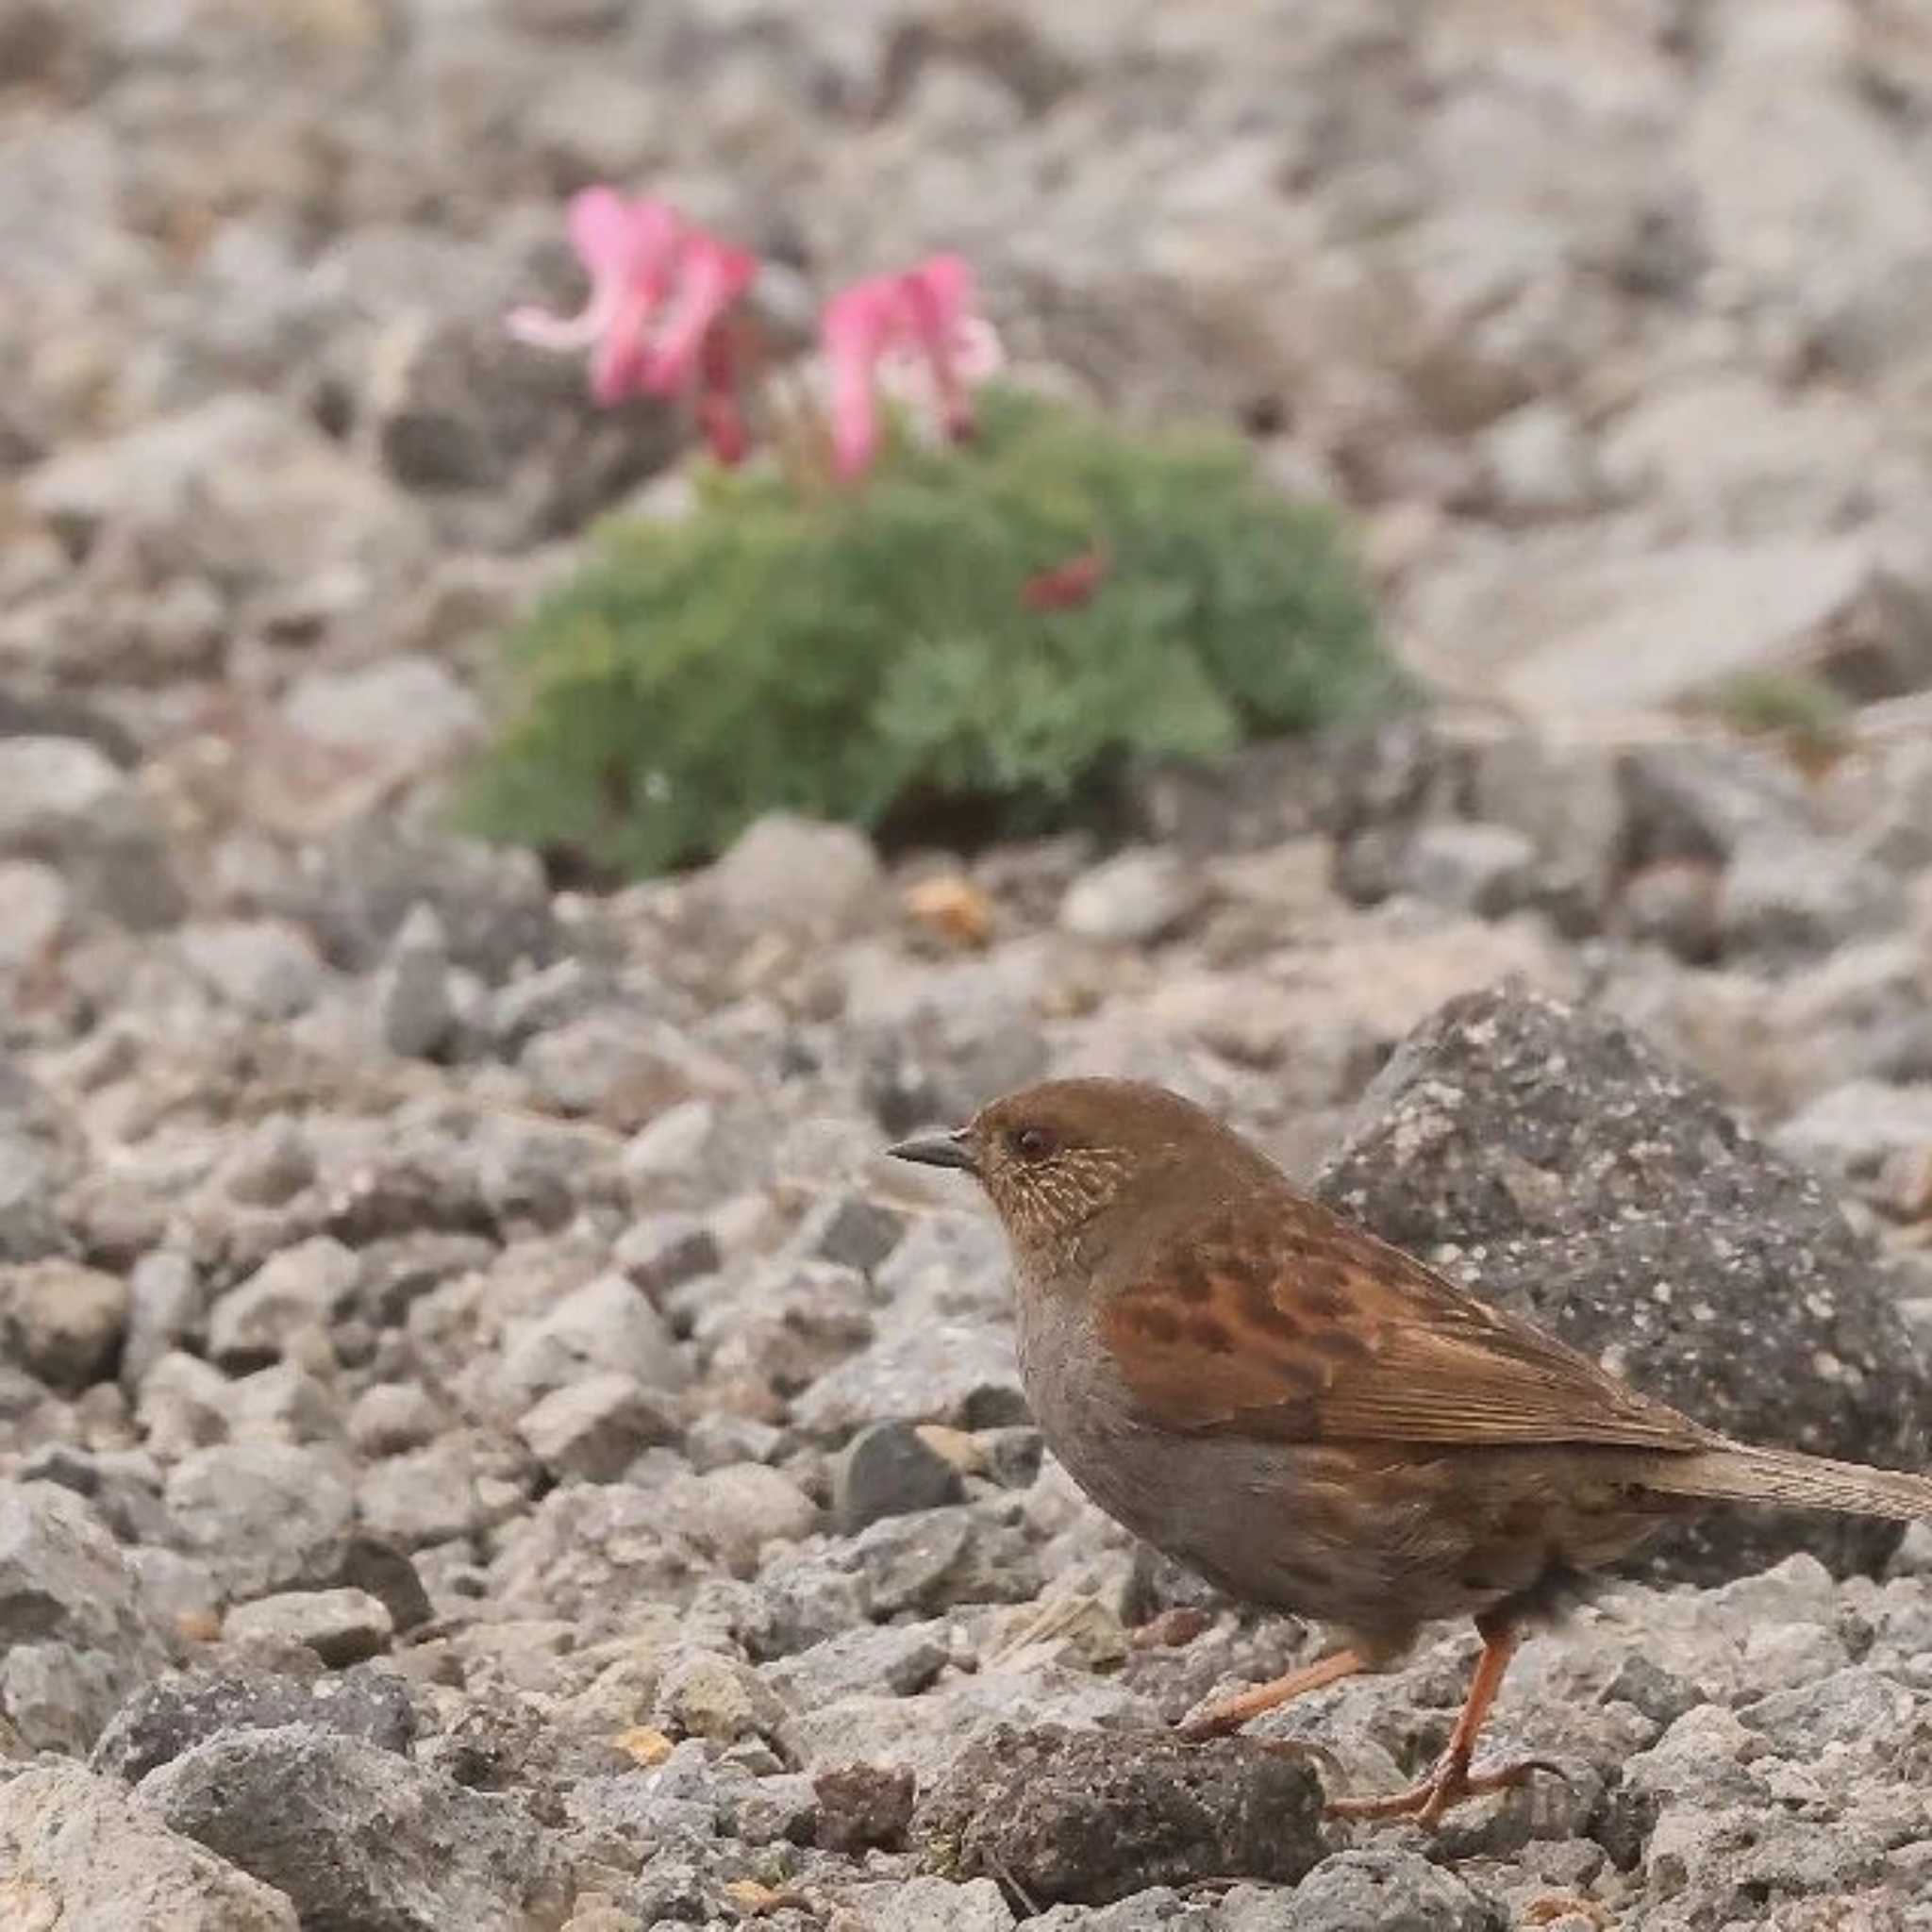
602	231
858	325
937	296
629	251
712	275
719	418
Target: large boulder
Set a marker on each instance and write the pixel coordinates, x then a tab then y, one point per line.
1565	1170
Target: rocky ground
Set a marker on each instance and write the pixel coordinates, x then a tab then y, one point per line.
485	1440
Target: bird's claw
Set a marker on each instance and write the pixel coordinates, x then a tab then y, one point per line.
1449	1784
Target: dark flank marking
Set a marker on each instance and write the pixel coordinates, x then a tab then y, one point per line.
1190	1282
1267	1316
1299	1375
1319	1294
1339	1345
1206	1331
1155	1322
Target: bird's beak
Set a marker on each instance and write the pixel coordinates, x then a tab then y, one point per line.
937	1150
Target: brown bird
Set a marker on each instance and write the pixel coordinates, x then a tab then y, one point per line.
1313	1420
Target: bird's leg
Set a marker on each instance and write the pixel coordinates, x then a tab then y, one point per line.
1231	1714
1450	1782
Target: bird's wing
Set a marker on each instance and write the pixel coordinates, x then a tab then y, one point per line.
1281	1319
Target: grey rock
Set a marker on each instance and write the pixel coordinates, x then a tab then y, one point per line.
902	1659
1674	903
958	1372
933	1905
284	1404
688	1155
341	1626
1783	897
267	1516
735	1511
240	486
300	1290
64	803
781	1808
164	1309
495	1739
858	1232
164	1719
1367	1890
1898	834
1734	451
716	1440
605	1325
357	1836
1606	634
1159	1908
594	1429
1087	1816
35	907
371	877
390	1417
80	1850
123	1487
940	1040
1701	799
427	1495
400	716
780	1324
62	1321
1648	1686
1850	1131
1537	463
803	1597
888	1469
674	1889
40	1152
1855	1706
676	1808
414	1008
1718	1864
939	1557
266	968
388	1576
76	1630
1596	1188
661	1252
182	1405
796	875
1485	870
1133	898
591	1552
624	1066
703	1695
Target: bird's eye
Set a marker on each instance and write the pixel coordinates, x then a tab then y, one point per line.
1033	1144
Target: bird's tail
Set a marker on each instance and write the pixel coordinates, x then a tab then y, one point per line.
1741	1472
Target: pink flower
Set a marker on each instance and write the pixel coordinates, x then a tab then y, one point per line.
656	323
711	277
926	311
631	253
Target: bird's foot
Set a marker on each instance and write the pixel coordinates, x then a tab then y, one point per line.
1230	1713
1451	1783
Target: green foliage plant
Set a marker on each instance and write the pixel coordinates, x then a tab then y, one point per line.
987	635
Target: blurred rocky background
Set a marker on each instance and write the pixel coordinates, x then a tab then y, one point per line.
484	1439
